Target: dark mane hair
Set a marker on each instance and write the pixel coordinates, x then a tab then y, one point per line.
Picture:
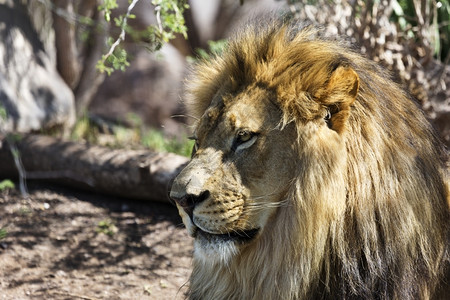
391	240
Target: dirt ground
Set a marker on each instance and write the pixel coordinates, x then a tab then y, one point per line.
66	244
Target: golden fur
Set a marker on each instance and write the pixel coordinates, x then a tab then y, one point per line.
314	176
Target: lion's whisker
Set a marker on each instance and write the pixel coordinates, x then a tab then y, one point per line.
251	207
183	116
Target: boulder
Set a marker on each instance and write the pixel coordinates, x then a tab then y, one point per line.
32	93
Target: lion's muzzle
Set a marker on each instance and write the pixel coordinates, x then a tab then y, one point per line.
211	200
189	201
188	189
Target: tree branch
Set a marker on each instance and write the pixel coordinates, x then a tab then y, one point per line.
121	37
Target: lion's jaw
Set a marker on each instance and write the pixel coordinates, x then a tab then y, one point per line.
219	224
231	187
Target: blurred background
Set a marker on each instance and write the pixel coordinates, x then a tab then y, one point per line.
111	71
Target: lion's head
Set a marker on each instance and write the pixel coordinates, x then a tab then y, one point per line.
312	175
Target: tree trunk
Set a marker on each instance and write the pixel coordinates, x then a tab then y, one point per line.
90	78
65	42
134	174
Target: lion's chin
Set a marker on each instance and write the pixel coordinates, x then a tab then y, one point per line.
220	248
239	237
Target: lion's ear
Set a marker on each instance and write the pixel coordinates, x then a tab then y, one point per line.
338	95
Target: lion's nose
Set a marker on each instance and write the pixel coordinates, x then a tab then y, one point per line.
189	201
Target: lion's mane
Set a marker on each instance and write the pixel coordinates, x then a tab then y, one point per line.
369	220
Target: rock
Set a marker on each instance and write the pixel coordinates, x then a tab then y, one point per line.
149	88
31	91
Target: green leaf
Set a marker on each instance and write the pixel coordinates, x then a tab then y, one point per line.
106	7
171	23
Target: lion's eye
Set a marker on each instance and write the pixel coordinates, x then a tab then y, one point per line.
327	119
244	136
244	139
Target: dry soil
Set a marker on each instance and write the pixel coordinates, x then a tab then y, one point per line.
65	244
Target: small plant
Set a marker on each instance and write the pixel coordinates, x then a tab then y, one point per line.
6	184
83	129
3	113
106	227
3	233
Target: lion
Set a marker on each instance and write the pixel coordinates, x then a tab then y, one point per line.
313	175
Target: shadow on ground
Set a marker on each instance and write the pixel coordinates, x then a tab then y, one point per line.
65	244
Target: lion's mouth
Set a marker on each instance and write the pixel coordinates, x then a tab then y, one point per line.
241	236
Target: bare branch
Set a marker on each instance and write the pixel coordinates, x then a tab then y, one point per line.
121	37
19	167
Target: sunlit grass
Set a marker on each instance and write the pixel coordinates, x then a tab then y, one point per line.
136	136
156	140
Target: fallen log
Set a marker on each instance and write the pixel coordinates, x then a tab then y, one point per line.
134	174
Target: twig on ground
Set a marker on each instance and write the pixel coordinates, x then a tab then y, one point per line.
19	166
75	295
